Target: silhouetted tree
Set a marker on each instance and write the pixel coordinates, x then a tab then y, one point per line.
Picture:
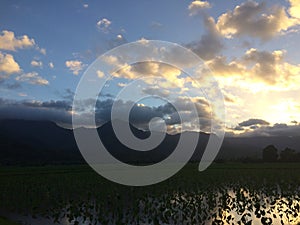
270	153
288	155
297	157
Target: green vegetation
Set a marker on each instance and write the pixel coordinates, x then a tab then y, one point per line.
4	221
226	193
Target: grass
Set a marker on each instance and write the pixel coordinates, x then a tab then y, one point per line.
4	221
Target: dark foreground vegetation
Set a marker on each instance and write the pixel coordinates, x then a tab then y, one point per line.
226	193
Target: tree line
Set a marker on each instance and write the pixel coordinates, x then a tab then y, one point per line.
272	154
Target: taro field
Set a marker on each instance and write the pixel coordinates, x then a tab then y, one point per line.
226	193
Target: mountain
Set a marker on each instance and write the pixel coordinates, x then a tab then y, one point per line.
36	142
44	142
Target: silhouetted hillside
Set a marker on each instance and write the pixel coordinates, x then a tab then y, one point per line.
43	142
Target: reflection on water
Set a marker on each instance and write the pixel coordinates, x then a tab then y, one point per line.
225	206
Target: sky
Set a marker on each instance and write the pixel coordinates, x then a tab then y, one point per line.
251	47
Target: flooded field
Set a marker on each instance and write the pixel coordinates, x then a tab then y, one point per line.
228	193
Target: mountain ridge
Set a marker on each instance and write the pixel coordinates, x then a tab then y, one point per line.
45	142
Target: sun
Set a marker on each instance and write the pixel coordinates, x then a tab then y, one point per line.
284	112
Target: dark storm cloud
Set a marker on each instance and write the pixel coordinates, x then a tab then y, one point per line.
278	129
10	109
64	105
252	122
238	128
60	111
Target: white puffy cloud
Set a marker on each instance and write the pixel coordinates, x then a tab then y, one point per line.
255	20
104	24
8	41
149	69
122	84
35	63
51	65
100	74
143	41
255	66
43	51
196	6
8	65
21	94
143	69
75	66
32	78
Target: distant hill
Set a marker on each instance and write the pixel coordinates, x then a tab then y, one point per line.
36	142
44	142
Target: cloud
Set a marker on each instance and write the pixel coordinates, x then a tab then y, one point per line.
231	99
122	84
104	25
75	66
21	94
54	104
42	50
255	20
156	90
294	122
8	65
156	25
197	6
118	40
9	85
68	94
267	66
60	111
278	129
8	41
35	63
255	66
252	122
147	69
294	10
35	110
270	67
143	41
100	74
32	78
51	65
238	128
221	67
141	114
85	5
210	44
